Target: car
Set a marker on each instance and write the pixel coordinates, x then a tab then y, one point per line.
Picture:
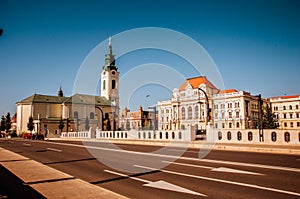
38	136
27	135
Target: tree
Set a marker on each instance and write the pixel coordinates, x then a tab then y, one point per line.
30	125
61	125
269	119
87	124
127	125
7	122
108	126
2	127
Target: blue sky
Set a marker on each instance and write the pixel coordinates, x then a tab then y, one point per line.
255	44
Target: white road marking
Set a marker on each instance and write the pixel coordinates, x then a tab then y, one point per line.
159	184
182	150
184	158
26	144
56	150
219	169
223	181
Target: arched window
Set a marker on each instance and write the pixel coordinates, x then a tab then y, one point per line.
190	113
250	136
180	135
104	83
196	112
92	115
284	108
287	137
229	135
183	113
75	114
239	136
273	136
291	107
113	84
220	135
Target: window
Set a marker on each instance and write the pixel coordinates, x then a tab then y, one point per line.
173	135
237	114
250	136
167	135
284	115
229	135
75	114
287	136
284	108
92	115
291	115
139	135
196	112
220	135
230	114
223	125
239	136
113	84
291	124
298	124
180	135
160	135
285	124
273	136
297	115
223	115
216	115
104	83
230	125
291	107
190	113
237	125
183	113
297	106
149	135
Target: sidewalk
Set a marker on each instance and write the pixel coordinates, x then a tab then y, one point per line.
36	180
260	148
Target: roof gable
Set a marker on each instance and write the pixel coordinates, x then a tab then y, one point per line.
196	82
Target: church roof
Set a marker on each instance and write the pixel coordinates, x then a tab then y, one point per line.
88	99
195	82
75	99
38	98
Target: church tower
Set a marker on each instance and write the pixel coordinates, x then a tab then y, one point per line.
110	79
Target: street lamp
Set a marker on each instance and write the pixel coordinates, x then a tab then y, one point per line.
154	120
207	107
261	131
100	109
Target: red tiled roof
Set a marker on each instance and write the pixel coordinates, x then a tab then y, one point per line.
286	97
196	81
228	91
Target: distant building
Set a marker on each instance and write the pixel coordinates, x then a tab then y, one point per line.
47	110
287	111
138	120
198	103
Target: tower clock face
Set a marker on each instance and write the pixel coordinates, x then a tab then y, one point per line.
113	72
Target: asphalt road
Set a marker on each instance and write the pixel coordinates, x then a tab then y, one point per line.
168	172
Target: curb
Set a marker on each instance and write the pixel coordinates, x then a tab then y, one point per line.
50	182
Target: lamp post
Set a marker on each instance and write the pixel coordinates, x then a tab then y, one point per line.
207	107
154	117
102	115
260	126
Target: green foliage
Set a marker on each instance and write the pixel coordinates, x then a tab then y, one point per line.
87	124
7	122
269	119
30	125
61	125
127	125
108	125
2	127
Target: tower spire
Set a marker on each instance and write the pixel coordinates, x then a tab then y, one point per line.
110	58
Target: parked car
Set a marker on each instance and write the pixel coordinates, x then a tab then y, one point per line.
38	136
27	135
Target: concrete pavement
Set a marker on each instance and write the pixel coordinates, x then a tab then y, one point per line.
50	182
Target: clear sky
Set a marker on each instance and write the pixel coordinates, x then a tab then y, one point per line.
255	44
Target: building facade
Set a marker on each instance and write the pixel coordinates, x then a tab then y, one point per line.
287	111
198	103
76	112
